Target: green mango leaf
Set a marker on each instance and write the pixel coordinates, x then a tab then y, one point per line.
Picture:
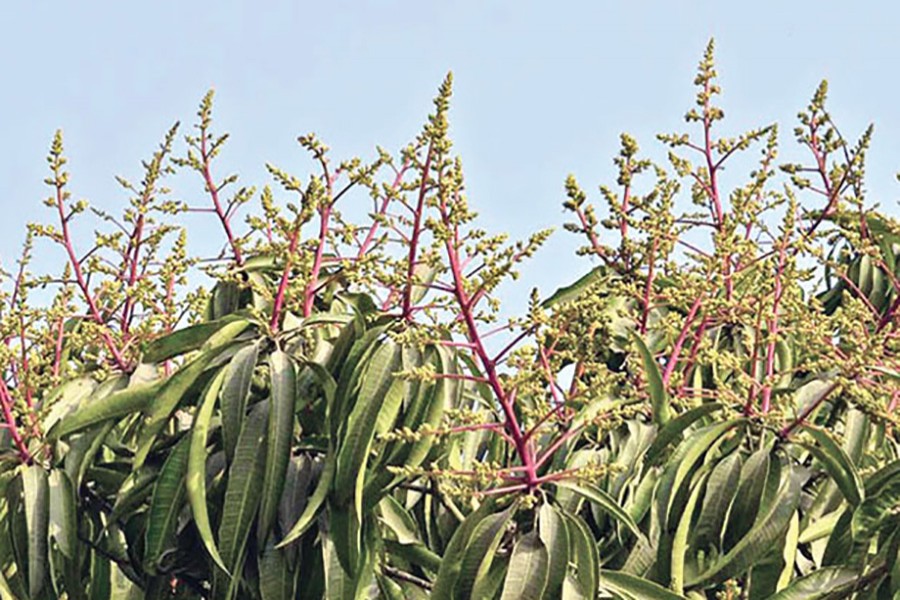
184	340
196	468
674	428
528	571
165	505
314	504
277	581
659	398
452	561
574	290
235	390
339	585
243	490
836	463
822	583
873	512
280	432
592	493
721	488
632	587
552	529
769	528
113	406
680	540
415	553
686	456
172	392
353	454
63	522
480	554
37	515
584	556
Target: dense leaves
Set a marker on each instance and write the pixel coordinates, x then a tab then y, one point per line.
692	418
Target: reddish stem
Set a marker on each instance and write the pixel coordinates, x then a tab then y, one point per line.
679	343
414	236
6	406
523	449
787	429
80	280
213	190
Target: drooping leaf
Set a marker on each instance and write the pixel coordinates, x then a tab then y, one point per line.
480	553
37	514
874	511
602	499
583	556
243	490
683	462
63	524
554	535
720	491
165	505
659	398
837	463
184	340
313	505
354	450
452	561
674	428
278	446
173	390
680	540
116	405
235	389
195	481
632	587
528	571
766	532
822	583
276	579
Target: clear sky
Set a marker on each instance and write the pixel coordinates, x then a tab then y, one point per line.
542	89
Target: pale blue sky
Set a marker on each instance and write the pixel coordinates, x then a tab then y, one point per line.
542	89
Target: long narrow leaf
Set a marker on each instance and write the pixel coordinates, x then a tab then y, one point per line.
278	446
196	468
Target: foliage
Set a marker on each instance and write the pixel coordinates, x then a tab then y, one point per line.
698	416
